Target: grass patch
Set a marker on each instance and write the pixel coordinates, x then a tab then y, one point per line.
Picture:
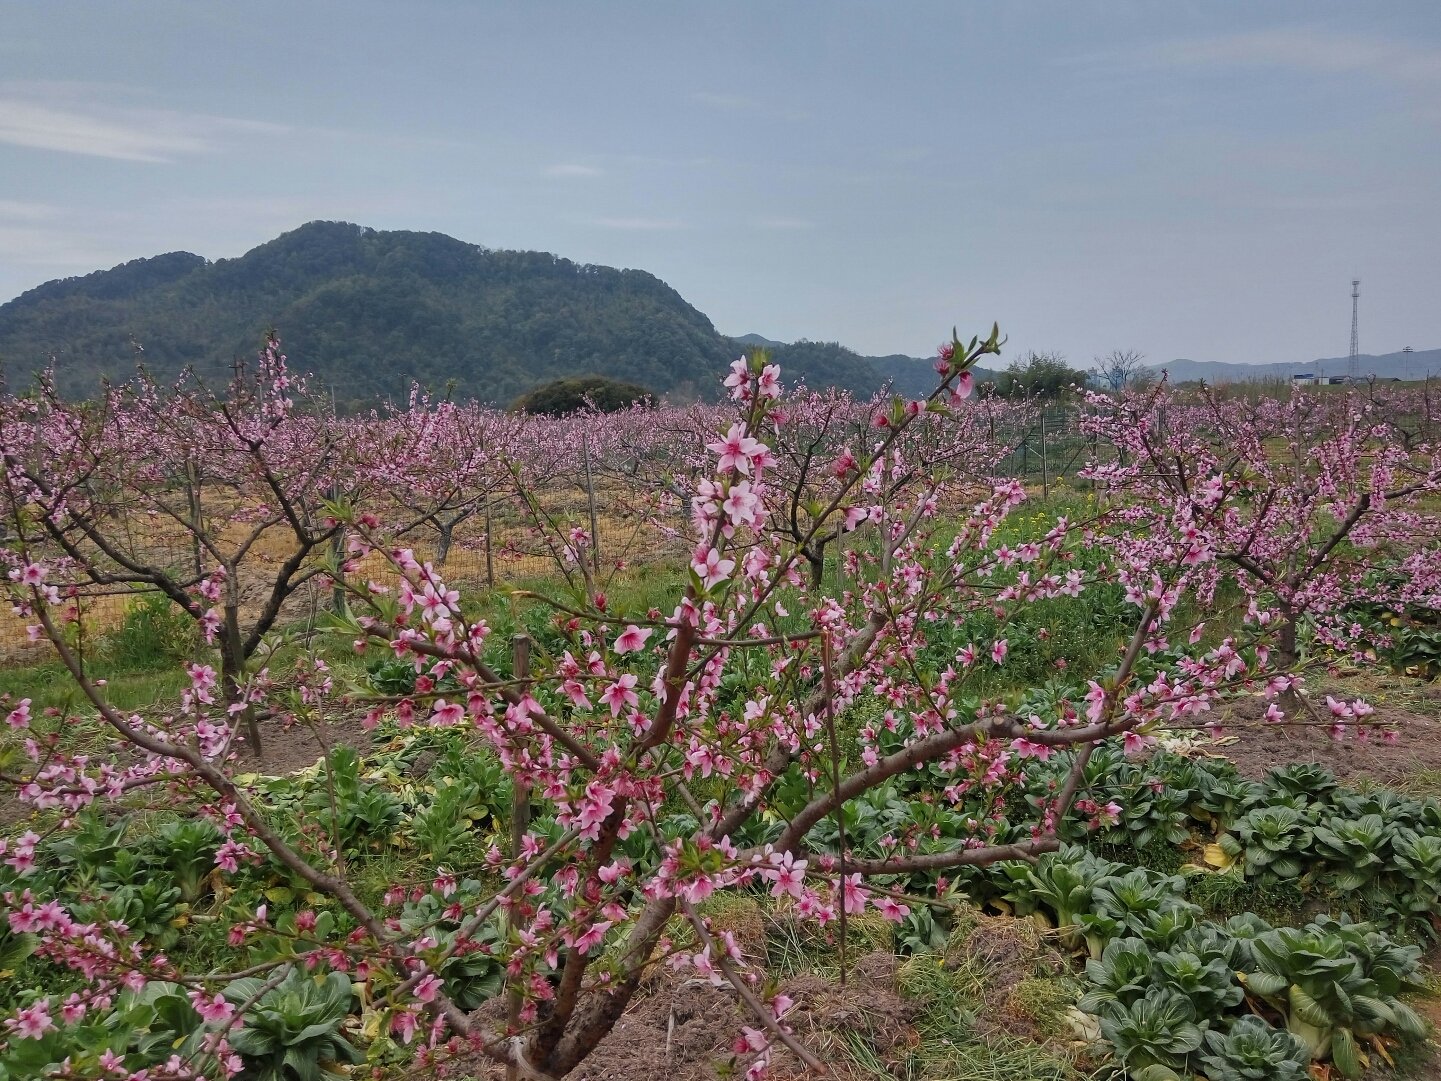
1222	895
49	685
794	946
1043	1000
951	999
1423	784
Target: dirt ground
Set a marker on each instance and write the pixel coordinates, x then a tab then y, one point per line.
1411	707
285	750
680	1028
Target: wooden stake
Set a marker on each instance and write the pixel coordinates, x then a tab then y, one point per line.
519	823
1045	473
590	496
489	554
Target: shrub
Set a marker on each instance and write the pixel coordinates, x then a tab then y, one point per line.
155	633
562	396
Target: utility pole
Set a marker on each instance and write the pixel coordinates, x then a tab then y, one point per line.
1353	371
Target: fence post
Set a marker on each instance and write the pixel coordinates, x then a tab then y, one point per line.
337	555
519	822
192	498
489	553
1045	472
1095	454
590	497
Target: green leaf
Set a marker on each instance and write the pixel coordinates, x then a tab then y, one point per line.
1267	984
1308	1009
1155	1072
1345	1054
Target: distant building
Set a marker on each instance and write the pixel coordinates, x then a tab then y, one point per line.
1304	379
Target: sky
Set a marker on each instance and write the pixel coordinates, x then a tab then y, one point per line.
1185	179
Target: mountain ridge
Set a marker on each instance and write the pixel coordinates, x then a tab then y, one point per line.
1399	365
369	311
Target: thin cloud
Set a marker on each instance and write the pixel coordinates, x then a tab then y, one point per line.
54	250
733	102
574	169
14	210
784	223
739	103
1304	49
653	225
140	135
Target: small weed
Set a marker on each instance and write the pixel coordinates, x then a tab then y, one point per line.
1227	894
1043	1000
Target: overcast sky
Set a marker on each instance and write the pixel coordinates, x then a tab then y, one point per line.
1194	180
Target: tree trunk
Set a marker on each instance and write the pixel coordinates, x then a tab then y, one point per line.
232	669
816	557
442	546
1289	654
1286	638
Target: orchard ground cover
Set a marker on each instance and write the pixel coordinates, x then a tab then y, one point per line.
881	692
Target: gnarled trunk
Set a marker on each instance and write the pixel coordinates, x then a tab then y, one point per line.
232	670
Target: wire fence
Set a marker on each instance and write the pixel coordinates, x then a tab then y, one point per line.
497	544
494	546
1052	449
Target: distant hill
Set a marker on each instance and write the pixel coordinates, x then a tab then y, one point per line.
368	312
756	339
1415	365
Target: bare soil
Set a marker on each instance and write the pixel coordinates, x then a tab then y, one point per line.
680	1028
1410	707
285	750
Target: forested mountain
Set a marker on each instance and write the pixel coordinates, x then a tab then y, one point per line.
368	312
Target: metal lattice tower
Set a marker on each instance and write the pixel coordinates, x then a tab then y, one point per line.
1352	371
